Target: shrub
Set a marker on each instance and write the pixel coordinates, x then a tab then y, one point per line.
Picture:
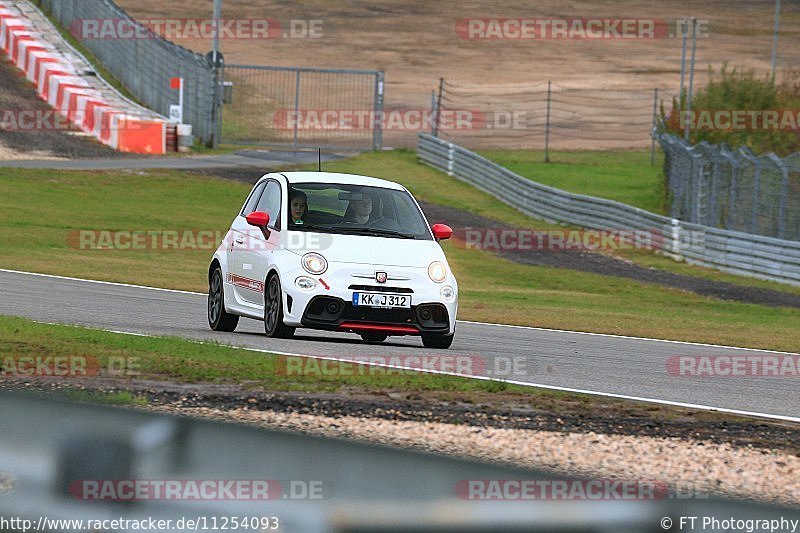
733	89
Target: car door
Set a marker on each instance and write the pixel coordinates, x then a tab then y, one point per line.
256	255
239	242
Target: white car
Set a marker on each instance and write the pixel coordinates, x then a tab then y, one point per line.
335	252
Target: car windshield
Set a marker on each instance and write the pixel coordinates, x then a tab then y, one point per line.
355	210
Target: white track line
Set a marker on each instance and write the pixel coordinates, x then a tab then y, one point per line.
699	407
533	328
99	282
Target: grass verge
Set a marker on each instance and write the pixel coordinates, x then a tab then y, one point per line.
624	176
125	357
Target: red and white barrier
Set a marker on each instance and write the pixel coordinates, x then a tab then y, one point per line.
59	84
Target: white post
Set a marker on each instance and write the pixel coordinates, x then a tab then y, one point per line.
180	99
217	16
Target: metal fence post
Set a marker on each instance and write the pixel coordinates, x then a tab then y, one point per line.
547	126
653	132
296	106
433	111
681	96
377	132
733	193
691	79
784	195
756	196
438	108
775	37
218	107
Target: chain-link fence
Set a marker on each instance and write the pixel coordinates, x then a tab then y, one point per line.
715	185
546	116
143	65
302	107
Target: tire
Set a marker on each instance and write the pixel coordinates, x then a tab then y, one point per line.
273	310
371	336
441	342
218	318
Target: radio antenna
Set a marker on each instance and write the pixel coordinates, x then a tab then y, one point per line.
319	159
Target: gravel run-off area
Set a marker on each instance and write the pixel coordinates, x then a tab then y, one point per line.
697	467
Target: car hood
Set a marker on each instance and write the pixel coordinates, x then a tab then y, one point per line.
368	250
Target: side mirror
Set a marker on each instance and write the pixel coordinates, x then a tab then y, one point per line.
442	232
260	219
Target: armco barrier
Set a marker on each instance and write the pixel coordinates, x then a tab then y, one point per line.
127	128
730	251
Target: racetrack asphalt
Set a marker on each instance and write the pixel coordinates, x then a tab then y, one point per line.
266	159
605	364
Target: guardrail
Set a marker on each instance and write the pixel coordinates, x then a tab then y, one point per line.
55	455
730	251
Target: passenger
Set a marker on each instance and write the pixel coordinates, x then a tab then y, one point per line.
298	206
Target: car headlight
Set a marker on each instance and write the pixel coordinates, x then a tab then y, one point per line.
437	271
314	263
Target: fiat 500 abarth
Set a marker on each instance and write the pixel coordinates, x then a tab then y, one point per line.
334	252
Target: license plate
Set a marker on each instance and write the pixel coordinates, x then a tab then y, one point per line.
372	299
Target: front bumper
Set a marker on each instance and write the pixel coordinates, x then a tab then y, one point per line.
332	313
329	305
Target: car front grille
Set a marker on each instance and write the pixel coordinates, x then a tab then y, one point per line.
381	288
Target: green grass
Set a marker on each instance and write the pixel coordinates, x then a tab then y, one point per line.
183	361
624	176
38	209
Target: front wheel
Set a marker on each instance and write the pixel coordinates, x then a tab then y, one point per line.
441	342
273	310
218	318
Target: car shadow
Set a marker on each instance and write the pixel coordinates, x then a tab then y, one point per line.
335	340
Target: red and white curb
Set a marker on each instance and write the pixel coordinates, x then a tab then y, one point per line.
60	84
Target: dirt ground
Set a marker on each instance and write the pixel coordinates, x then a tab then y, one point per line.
416	43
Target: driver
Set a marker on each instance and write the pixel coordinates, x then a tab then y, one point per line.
359	211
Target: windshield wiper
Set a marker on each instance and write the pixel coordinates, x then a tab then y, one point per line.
374	231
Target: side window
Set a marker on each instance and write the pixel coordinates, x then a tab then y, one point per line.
270	203
250	206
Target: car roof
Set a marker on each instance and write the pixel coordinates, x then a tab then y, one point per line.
335	177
